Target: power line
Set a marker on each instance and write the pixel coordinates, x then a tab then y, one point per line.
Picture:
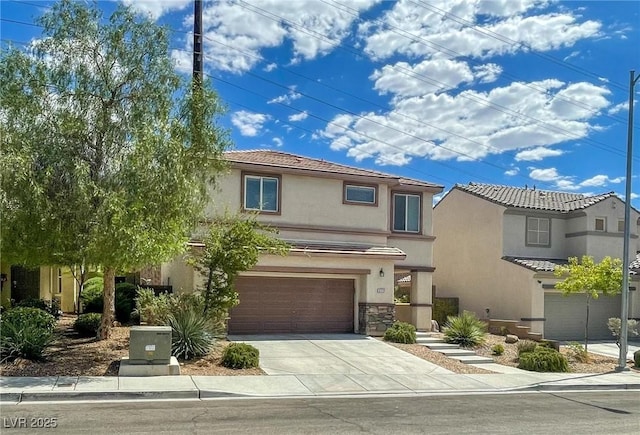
443	49
427	79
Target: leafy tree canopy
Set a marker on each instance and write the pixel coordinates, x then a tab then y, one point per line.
106	150
587	276
233	245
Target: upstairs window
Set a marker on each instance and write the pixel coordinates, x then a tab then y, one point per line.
261	193
601	224
360	194
406	213
538	231
621	225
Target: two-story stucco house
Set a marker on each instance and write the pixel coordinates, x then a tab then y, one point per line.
498	246
350	231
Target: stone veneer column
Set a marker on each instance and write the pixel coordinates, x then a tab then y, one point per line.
375	318
421	300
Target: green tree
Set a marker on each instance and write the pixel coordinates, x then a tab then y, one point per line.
101	164
591	278
232	245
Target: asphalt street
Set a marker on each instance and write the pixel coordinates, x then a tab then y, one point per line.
615	412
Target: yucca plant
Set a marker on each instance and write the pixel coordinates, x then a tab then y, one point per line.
191	336
466	330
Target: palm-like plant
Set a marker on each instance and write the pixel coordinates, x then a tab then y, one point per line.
466	330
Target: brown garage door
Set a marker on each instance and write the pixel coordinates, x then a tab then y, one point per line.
292	305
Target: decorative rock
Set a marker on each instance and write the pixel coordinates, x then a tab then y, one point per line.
434	325
510	338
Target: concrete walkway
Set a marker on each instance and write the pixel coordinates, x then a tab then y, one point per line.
314	365
22	389
334	354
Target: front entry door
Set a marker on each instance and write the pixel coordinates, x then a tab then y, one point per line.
25	283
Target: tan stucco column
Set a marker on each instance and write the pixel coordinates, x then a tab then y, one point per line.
421	300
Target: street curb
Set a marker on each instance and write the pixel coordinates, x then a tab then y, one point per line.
46	396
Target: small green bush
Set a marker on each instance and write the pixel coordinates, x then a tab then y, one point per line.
466	330
152	309
636	358
92	295
526	347
578	352
443	308
52	307
191	336
497	349
543	359
551	344
86	325
25	332
240	356
401	332
125	301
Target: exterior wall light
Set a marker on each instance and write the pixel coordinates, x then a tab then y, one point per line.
381	273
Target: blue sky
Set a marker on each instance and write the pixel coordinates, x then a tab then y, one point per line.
513	92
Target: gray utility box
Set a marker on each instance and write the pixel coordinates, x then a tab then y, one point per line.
150	345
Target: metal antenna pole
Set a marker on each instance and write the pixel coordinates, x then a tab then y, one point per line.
624	309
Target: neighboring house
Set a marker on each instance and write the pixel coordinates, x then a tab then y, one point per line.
351	230
498	246
46	282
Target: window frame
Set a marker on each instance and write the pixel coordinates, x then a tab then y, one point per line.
347	184
526	232
604	224
393	212
243	189
621	221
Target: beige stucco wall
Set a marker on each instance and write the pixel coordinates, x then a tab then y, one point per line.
515	237
306	200
468	259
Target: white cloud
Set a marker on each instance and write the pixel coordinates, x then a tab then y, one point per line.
156	8
433	34
512	172
249	123
235	33
277	141
549	174
471	125
299	116
601	180
618	108
287	98
487	73
537	154
270	67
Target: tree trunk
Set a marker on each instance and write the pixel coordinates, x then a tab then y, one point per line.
586	325
108	310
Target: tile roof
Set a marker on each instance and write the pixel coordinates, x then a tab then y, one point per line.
549	264
537	264
532	198
278	159
310	247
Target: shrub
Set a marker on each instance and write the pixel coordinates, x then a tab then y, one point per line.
497	349
190	334
551	344
400	332
443	308
526	347
578	352
52	307
86	325
240	356
636	358
125	301
543	359
25	332
615	325
152	309
466	330
92	295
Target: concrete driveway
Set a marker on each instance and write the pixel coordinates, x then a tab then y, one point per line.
334	354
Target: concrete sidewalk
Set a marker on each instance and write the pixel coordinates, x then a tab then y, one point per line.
24	389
